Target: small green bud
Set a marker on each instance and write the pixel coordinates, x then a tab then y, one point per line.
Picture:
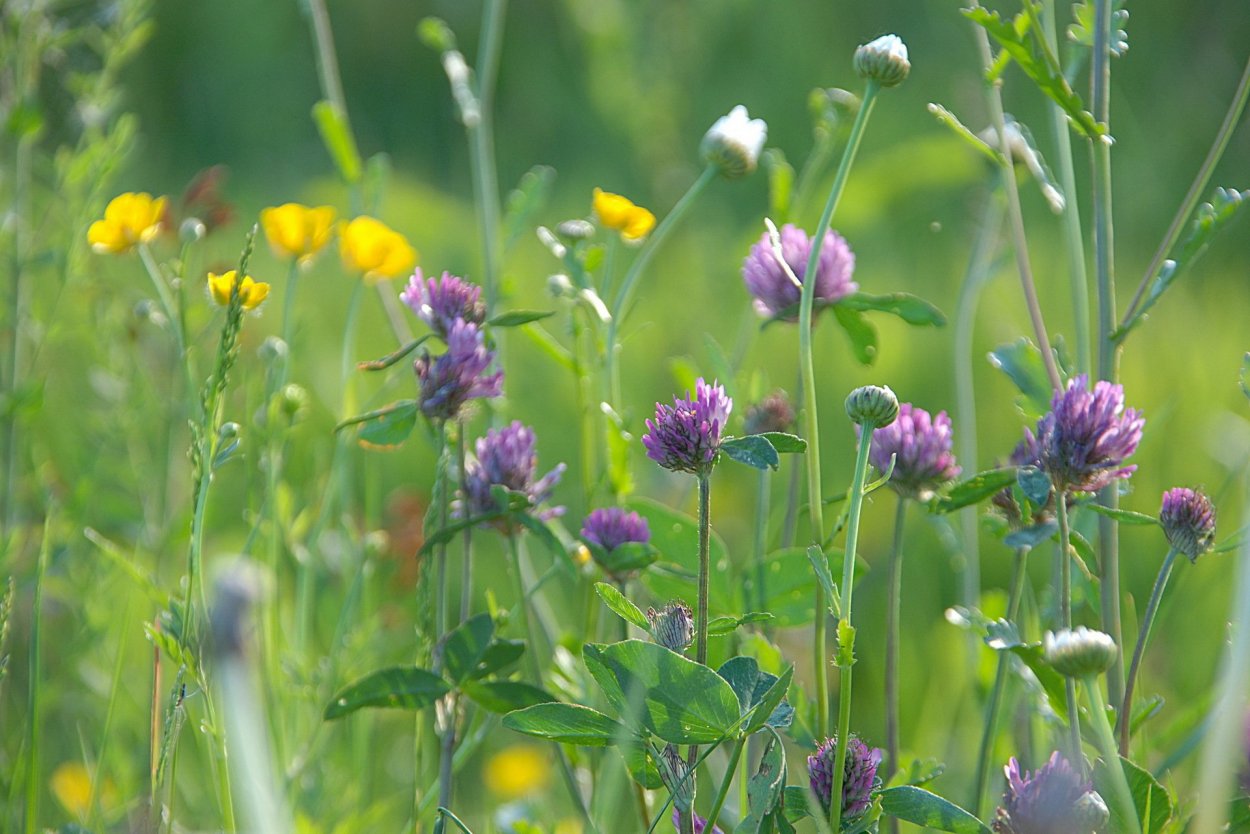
560	286
1091	811
883	61
574	230
875	404
228	431
272	350
192	230
672	626
294	400
1079	652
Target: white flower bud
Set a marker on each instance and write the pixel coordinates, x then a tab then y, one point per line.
734	143
883	61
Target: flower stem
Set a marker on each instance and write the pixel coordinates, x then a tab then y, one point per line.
761	541
288	313
730	768
846	633
894	586
466	568
1065	621
36	675
1124	719
705	566
1111	759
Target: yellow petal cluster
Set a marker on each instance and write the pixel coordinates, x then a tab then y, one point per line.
373	248
297	231
516	771
129	219
620	214
251	293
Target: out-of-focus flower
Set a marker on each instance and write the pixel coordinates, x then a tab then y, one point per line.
672	626
883	60
734	142
129	219
251	293
611	527
776	294
1188	519
202	200
700	824
685	437
921	446
297	231
874	404
1079	652
450	380
516	771
621	215
440	301
71	784
1083	441
771	414
506	457
373	248
1052	800
859	775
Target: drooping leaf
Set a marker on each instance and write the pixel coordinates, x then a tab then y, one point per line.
566	723
624	558
961	130
1034	483
975	489
403	687
640	763
516	318
498	656
928	810
910	308
505	696
1151	800
1124	516
820	565
861	332
385	427
785	443
766	789
391	358
754	450
624	609
464	646
1031	537
720	626
760	694
1022	362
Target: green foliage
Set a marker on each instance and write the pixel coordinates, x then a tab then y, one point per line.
566	723
928	810
403	687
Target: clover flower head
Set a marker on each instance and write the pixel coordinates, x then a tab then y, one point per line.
447	382
859	775
369	246
883	60
129	220
439	302
700	824
875	404
734	142
620	214
1188	519
1083	441
686	436
1052	800
506	457
1079	652
611	527
672	626
775	294
251	293
297	231
771	414
921	446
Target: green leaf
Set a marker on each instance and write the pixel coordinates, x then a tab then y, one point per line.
624	558
720	626
1034	483
336	135
464	646
1124	516
680	701
821	567
640	764
1151	800
391	358
524	201
961	130
766	789
796	801
753	450
567	724
862	334
1022	363
676	536
760	694
384	427
910	308
1052	682
516	318
780	184
624	609
928	810
405	687
498	655
789	587
505	696
785	443
446	534
1031	537
975	489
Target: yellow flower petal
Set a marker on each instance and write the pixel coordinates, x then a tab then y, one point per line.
297	231
71	785
369	246
129	219
621	215
639	224
251	292
516	771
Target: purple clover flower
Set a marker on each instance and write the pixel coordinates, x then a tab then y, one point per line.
506	457
773	413
1052	800
1083	440
1188	519
700	824
450	380
859	775
921	445
772	288
611	527
685	437
439	302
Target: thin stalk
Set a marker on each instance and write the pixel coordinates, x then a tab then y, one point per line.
894	590
807	367
761	540
1110	757
705	565
36	676
790	523
846	650
440	552
446	710
327	62
1125	718
93	812
466	567
1019	576
288	313
446	755
19	209
730	768
1065	621
482	148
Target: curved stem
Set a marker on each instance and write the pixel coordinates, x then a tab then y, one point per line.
1125	718
894	591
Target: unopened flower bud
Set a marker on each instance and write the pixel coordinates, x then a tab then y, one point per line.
272	350
875	404
294	400
773	413
228	431
1188	519
192	230
1079	652
734	142
672	626
574	230
1091	812
676	776
883	61
559	285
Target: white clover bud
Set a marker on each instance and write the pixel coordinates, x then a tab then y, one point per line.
733	143
560	286
1079	652
272	350
192	230
874	404
1091	811
883	61
575	230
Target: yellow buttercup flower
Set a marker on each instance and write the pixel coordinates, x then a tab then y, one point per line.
297	231
251	293
516	771
620	214
370	246
129	219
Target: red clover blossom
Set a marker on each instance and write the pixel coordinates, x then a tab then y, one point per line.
1052	800
859	779
440	302
1188	519
685	436
921	446
450	380
506	457
1083	441
772	288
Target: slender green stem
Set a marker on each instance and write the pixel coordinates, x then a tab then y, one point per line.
1110	757
440	553
466	566
1019	576
790	522
846	632
482	149
1065	621
730	768
173	313
288	314
705	565
20	224
761	540
894	590
1124	720
33	781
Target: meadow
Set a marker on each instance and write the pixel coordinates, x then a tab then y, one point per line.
417	417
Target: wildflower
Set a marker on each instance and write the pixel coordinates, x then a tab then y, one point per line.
621	215
129	219
775	294
297	231
611	527
251	293
874	404
685	437
71	785
672	626
1188	519
516	771
734	142
771	414
883	61
859	775
449	381
1079	652
921	446
440	302
506	457
1083	440
1052	800
700	824
370	246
